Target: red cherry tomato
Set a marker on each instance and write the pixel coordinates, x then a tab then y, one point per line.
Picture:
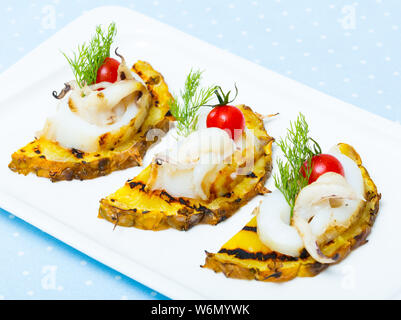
228	118
107	72
321	164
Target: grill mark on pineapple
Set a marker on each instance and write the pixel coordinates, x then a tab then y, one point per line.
134	184
251	175
102	139
274	275
247	228
77	153
260	256
203	209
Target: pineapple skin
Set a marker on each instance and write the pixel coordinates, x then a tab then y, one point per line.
49	160
244	256
135	206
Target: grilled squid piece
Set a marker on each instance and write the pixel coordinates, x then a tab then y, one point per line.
89	120
274	226
323	210
190	168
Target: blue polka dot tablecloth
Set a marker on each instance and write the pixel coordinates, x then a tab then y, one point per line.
347	49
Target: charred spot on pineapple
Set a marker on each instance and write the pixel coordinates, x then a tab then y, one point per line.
251	175
77	153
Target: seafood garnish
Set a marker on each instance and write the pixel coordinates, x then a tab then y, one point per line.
323	210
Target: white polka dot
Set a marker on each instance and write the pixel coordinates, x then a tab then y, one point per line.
20	253
379	91
124	298
363	61
387	58
274	44
88	282
268	30
347	80
30	293
388	107
282	58
220	36
321	83
213	22
291	27
371	76
25	273
60	288
339	65
284	13
231	5
396	73
323	37
244	33
15	234
299	40
330	51
387	14
355	95
261	16
354	48
395	27
308	10
315	24
49	248
306	54
314	68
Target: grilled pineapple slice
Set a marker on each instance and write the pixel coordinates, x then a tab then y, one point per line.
134	206
48	159
244	256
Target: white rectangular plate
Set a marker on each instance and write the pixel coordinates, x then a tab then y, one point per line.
169	261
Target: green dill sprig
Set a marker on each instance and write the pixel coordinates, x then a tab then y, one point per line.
89	57
297	147
185	109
